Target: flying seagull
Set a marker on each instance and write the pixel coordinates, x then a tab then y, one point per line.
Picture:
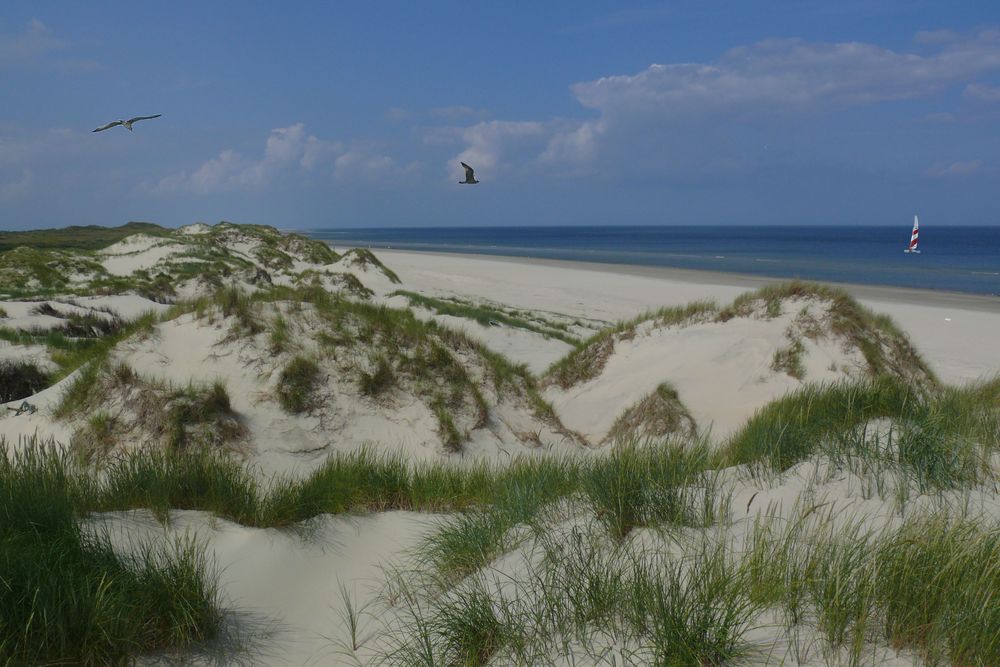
127	124
470	175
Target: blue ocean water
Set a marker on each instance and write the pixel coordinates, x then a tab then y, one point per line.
960	259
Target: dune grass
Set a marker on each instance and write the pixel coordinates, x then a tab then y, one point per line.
297	385
791	428
485	315
364	257
939	441
66	596
588	360
661	414
931	586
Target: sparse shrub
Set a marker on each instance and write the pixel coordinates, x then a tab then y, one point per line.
379	380
201	415
279	334
447	431
297	385
95	438
238	304
20	378
364	257
45	308
658	415
788	360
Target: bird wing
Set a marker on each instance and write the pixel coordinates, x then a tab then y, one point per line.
137	118
470	173
111	124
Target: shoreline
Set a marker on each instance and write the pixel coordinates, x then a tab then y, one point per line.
882	293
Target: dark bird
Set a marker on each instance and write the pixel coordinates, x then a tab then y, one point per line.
470	175
127	124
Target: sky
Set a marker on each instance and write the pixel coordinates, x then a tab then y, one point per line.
324	115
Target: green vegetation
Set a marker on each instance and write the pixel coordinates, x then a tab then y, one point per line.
788	360
379	380
67	596
364	257
90	360
297	385
20	378
652	486
486	316
90	237
939	436
659	415
201	415
907	588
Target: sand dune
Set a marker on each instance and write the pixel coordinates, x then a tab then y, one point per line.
282	588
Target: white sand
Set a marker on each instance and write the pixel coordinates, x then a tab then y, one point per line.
283	590
139	251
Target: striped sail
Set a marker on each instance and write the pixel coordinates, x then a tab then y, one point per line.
914	234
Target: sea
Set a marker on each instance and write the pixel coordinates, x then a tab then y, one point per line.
952	258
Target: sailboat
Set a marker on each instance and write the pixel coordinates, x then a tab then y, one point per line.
913	237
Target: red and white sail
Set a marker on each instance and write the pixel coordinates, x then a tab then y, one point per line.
914	235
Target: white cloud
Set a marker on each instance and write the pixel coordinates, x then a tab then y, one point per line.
15	189
285	149
318	151
955	169
460	111
488	143
364	165
684	116
36	40
982	93
782	76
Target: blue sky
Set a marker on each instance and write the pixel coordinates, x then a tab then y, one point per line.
357	114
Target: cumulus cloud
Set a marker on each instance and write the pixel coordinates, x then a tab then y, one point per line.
781	76
982	93
285	149
365	165
487	144
34	41
455	112
672	114
955	169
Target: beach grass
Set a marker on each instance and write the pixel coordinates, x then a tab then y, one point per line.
67	596
486	316
297	384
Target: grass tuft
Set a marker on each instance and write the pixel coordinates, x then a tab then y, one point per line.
297	385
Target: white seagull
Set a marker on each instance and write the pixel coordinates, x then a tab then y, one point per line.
470	175
127	124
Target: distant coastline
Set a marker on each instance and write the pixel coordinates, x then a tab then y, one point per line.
963	260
